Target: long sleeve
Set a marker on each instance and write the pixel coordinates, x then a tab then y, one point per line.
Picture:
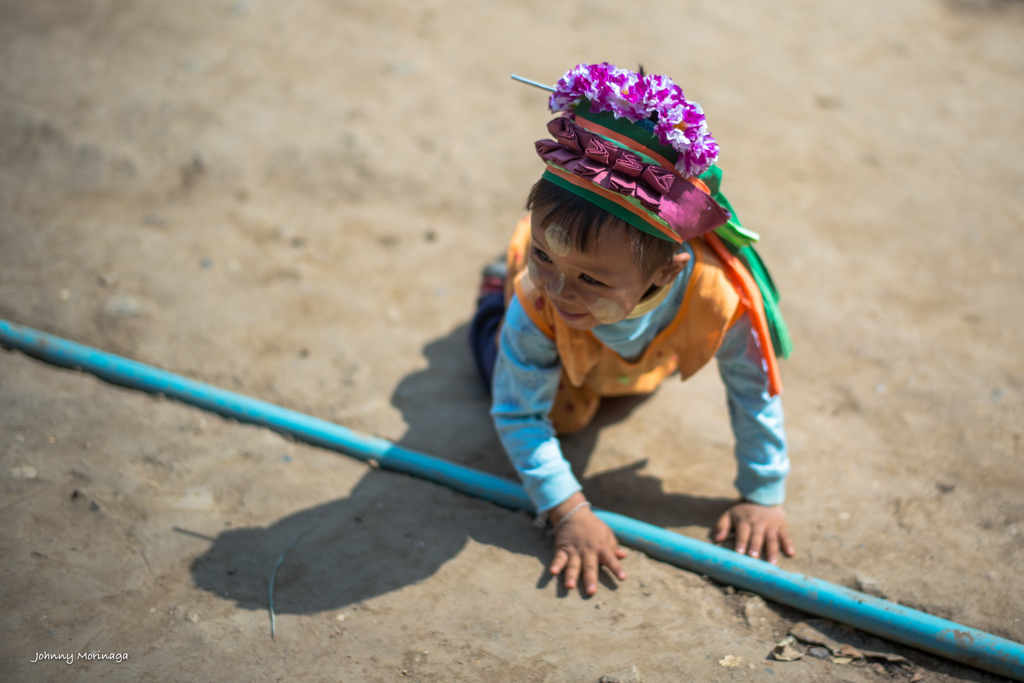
757	419
526	377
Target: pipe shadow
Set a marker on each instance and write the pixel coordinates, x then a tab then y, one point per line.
393	530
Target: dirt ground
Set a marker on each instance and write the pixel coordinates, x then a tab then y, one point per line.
293	200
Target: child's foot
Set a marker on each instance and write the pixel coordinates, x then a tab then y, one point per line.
492	279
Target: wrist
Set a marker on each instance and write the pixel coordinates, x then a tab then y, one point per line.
747	501
558	512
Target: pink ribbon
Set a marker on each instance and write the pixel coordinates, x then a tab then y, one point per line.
688	211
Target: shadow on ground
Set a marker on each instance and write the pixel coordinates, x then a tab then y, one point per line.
393	531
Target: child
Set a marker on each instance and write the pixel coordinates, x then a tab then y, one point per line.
630	268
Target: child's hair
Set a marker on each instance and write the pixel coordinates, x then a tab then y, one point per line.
581	219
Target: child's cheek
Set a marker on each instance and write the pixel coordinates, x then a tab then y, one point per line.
531	272
606	311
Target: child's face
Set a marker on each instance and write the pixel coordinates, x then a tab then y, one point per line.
595	288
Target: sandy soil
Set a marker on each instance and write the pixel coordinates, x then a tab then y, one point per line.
293	200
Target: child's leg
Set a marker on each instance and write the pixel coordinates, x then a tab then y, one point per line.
490	310
483	334
574	407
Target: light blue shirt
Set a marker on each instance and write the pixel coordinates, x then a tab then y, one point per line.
528	370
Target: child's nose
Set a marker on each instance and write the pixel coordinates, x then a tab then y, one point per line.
555	285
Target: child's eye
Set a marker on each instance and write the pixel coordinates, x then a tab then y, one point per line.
541	256
589	280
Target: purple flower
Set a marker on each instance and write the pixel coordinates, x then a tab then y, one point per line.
680	123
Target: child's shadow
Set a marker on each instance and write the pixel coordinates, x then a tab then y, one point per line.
393	531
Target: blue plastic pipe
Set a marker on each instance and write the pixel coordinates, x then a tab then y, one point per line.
873	615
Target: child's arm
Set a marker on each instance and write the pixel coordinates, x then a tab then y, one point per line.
758	521
526	377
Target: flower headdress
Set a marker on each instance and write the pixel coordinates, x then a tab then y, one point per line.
653	101
633	145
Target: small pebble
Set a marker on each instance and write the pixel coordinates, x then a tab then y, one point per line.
122	306
755	611
819	652
630	674
24	472
94	506
731	661
109	279
870	585
206	263
155	220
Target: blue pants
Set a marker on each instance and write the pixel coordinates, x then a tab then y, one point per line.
483	335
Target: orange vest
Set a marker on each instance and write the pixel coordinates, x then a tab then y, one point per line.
590	369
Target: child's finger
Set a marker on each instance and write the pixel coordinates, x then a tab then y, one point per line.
572	570
786	542
617	550
722	526
611	560
771	548
590	566
742	536
756	540
557	564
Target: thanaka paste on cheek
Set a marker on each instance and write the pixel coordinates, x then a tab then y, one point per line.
555	288
606	311
531	272
558	240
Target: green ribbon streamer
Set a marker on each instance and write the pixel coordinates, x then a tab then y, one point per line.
739	241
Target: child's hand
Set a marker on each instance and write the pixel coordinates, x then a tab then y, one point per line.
756	526
584	543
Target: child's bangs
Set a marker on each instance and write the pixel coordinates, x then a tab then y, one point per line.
581	219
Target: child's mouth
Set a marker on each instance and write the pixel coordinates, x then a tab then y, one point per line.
571	317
